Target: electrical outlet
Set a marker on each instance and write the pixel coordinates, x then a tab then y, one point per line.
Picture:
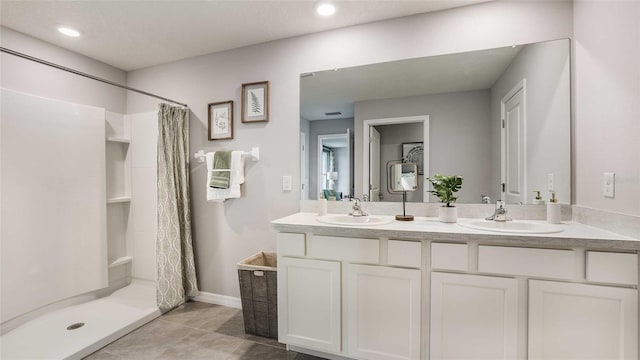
286	183
609	185
551	182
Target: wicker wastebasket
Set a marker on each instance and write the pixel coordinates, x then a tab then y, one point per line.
259	293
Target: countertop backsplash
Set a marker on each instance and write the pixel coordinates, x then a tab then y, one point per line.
518	212
623	224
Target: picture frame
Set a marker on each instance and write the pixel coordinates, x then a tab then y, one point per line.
414	152
220	116
255	102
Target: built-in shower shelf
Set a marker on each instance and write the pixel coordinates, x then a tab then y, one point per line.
119	199
118	139
120	261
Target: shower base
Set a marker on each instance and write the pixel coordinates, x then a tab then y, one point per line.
105	320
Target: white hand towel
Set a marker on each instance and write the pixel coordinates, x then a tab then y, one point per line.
236	178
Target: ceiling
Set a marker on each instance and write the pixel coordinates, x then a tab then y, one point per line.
135	34
338	90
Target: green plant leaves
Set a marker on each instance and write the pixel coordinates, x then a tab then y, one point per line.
444	187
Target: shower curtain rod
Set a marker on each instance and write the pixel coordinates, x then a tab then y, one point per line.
64	68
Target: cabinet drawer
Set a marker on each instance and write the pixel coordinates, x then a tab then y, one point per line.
344	249
547	263
614	268
404	253
290	244
449	256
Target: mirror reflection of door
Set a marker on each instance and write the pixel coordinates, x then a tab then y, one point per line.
304	171
383	143
333	159
374	164
513	146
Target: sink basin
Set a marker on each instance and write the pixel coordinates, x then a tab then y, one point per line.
514	226
340	219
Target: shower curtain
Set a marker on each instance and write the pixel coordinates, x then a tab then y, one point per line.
176	267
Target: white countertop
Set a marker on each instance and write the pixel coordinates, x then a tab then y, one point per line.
429	228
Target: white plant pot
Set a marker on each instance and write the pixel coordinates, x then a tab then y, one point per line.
448	214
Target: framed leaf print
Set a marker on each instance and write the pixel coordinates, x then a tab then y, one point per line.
221	120
255	102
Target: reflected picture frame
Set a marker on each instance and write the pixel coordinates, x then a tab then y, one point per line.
414	152
220	120
255	102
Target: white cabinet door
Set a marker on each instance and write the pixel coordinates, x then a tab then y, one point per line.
473	317
580	321
309	303
383	312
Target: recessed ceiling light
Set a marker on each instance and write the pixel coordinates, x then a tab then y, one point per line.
69	31
325	8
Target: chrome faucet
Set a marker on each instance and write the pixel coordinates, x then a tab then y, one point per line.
501	212
357	209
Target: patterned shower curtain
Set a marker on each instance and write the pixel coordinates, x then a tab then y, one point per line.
174	254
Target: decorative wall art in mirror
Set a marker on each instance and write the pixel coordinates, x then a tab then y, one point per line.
498	117
220	120
414	152
255	102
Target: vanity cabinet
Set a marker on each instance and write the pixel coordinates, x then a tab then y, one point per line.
336	295
309	303
582	321
383	312
473	317
376	295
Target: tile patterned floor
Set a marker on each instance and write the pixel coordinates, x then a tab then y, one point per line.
195	331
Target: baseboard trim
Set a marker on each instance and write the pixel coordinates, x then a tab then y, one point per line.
218	299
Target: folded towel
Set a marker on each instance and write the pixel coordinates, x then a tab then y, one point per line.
221	172
236	178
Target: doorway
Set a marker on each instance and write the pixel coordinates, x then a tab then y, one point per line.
369	175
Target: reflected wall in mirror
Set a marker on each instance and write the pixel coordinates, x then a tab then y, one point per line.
499	117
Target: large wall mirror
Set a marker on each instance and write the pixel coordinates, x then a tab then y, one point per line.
498	117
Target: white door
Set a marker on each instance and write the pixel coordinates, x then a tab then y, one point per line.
513	147
473	317
383	312
374	164
304	172
350	163
309	303
580	321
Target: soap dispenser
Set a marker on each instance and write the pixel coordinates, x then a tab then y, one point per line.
323	205
538	200
554	215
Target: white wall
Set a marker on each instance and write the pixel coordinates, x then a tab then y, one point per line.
606	103
545	66
225	233
143	218
33	78
53	223
459	131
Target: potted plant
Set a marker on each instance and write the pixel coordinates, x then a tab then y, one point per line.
444	187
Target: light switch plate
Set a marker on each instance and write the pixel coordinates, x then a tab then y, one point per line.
286	183
609	185
551	182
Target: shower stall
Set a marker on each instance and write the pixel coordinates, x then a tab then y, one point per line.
78	225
